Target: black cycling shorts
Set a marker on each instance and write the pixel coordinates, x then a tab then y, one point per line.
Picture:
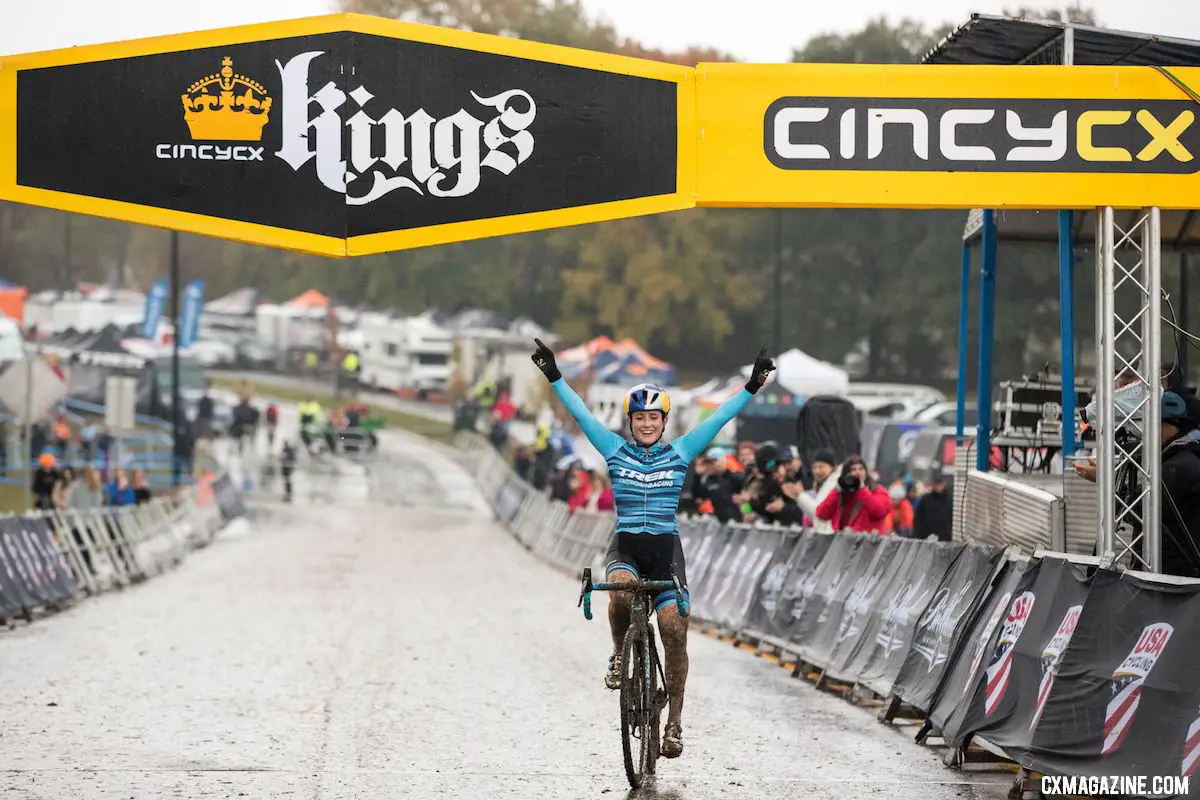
649	556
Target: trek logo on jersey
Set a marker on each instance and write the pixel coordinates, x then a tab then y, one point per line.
1052	655
652	480
981	645
1127	683
982	135
1000	670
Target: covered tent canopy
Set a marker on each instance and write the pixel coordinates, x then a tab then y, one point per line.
803	375
615	362
986	39
308	300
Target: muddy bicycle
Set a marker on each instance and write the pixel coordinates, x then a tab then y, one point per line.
642	676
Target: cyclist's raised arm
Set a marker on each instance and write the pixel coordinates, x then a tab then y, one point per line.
601	437
692	443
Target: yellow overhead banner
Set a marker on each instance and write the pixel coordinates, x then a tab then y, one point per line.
928	136
348	135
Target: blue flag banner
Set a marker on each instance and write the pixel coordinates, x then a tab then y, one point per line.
189	322
156	301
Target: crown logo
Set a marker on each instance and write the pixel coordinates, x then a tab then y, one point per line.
226	106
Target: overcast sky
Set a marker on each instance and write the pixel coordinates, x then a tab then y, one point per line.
752	30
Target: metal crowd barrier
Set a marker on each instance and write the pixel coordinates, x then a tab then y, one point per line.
50	558
1042	659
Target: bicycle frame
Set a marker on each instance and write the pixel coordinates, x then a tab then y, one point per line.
641	702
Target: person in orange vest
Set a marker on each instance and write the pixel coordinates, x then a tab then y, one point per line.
900	520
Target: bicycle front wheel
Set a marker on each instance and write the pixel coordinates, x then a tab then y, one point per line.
637	736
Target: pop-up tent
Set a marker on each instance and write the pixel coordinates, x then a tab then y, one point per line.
803	375
623	362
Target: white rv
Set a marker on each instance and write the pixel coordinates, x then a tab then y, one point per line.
411	353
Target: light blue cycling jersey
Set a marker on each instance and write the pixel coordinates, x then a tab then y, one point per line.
647	482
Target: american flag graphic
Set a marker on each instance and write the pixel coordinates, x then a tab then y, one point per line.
999	671
1191	748
1052	655
984	635
1127	683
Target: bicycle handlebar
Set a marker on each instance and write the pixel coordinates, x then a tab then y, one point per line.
648	587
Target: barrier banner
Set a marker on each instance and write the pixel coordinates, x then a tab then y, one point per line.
703	570
733	600
720	574
889	562
57	577
509	497
35	572
1024	654
803	568
229	499
1125	700
770	586
819	644
943	624
816	588
34	590
889	634
14	596
950	701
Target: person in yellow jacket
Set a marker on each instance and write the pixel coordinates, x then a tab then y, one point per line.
349	371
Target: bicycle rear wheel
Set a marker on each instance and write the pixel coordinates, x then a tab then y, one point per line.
637	728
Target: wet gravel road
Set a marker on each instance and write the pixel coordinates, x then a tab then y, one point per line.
400	646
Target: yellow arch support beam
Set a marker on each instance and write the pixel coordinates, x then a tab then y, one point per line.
347	135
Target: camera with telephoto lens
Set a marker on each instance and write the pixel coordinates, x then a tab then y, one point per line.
849	482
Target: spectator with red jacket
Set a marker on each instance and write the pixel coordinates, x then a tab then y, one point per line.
858	504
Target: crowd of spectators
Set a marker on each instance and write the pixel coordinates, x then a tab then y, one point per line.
756	482
769	483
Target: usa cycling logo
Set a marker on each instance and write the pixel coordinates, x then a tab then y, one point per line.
1000	670
981	645
1052	655
1127	683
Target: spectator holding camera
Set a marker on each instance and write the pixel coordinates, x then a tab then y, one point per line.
857	503
777	493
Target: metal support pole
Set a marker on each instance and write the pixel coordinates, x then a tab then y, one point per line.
25	452
1152	359
1066	325
1105	378
778	281
964	302
1129	458
177	415
987	335
1185	297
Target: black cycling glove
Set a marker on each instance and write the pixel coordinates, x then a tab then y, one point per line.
763	366
543	358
